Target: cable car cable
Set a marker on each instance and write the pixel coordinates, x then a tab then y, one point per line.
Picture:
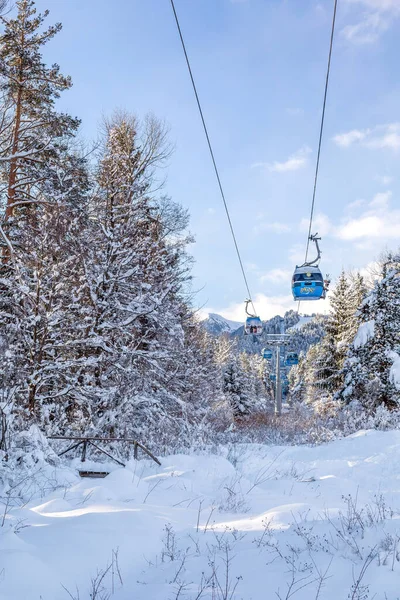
321	133
212	156
321	128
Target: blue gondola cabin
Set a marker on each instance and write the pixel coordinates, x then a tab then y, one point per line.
308	283
253	326
292	358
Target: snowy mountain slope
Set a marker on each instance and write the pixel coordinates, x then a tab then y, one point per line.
303	320
217	325
304	331
253	520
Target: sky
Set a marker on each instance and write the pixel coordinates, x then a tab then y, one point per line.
260	69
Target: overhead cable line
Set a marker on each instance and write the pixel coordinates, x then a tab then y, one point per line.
212	156
321	132
321	129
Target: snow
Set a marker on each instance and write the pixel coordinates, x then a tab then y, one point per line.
221	324
365	332
394	373
233	325
303	320
270	513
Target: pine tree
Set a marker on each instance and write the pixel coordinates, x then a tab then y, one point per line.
367	367
245	385
297	383
32	133
136	270
358	291
340	329
332	348
236	390
35	299
44	182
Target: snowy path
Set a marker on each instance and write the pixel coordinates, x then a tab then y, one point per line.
274	515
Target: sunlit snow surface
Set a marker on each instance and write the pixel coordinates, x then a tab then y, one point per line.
365	332
394	374
272	512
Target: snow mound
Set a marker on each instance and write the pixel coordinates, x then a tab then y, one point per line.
365	332
248	517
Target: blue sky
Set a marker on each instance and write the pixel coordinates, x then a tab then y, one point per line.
260	68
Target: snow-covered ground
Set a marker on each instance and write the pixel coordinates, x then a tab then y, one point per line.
251	522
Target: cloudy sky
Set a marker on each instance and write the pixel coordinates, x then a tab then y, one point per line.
260	68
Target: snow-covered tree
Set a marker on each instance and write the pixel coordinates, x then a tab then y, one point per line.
323	364
246	384
143	354
36	296
236	390
371	355
32	133
297	380
43	182
330	352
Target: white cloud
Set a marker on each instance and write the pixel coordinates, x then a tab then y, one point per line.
296	254
202	314
381	200
388	140
252	267
276	227
354	205
380	5
381	136
296	161
376	18
321	224
371	272
347	139
384	179
276	276
368	30
367	226
378	220
384	226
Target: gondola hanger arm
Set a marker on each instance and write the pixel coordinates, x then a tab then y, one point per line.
314	238
247	302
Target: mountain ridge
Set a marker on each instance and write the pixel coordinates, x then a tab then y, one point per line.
305	331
